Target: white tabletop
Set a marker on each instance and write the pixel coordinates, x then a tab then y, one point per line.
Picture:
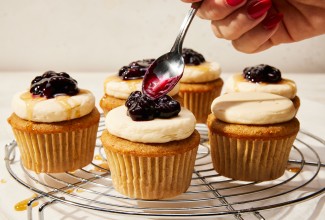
311	115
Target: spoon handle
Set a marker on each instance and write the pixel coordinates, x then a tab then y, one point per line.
184	27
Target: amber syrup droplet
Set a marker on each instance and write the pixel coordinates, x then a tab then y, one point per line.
69	191
294	169
3	181
103	167
22	205
98	157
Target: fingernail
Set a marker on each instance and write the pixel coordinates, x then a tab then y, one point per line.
258	8
271	21
234	2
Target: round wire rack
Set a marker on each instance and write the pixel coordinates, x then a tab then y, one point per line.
209	194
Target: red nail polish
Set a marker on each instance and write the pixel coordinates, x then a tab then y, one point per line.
258	8
271	21
234	3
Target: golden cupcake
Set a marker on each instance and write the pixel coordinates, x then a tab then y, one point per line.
151	147
263	78
55	124
251	135
200	84
117	88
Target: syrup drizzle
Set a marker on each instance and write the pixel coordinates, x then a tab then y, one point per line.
22	205
294	169
238	78
71	109
98	157
102	167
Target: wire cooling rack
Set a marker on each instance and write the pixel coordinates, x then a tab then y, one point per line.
209	194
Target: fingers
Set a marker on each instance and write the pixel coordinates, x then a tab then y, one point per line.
191	1
241	21
218	9
263	35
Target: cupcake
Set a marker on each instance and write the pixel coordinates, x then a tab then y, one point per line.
151	147
200	84
55	124
263	78
251	135
117	88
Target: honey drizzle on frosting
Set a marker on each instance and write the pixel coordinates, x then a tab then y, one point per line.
238	78
133	84
31	100
22	205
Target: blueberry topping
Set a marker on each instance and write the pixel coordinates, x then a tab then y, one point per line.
142	108
262	73
192	57
135	70
52	83
167	107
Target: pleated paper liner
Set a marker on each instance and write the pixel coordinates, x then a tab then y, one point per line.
151	177
250	160
198	97
58	152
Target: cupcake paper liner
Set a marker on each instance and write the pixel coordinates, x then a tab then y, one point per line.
250	160
58	152
199	103
151	177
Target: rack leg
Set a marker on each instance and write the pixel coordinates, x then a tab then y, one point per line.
43	206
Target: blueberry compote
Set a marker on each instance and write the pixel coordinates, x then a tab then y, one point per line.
51	83
135	70
192	57
142	108
262	73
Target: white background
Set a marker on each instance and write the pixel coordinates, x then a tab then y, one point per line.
103	35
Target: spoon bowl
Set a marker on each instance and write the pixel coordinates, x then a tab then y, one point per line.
165	72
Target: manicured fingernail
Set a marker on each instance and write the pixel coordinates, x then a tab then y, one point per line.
271	21
234	2
258	8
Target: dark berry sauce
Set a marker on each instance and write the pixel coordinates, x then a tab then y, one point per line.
192	57
156	87
135	70
51	83
142	108
262	73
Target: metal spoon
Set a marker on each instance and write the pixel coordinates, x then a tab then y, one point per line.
164	73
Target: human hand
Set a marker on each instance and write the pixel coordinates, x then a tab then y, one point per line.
256	25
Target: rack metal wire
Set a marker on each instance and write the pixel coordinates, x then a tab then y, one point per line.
209	194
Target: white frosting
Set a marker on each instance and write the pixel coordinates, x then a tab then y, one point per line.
154	131
118	88
236	83
253	108
205	72
60	108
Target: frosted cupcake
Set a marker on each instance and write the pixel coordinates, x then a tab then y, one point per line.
251	135
200	84
151	147
117	88
263	78
55	124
